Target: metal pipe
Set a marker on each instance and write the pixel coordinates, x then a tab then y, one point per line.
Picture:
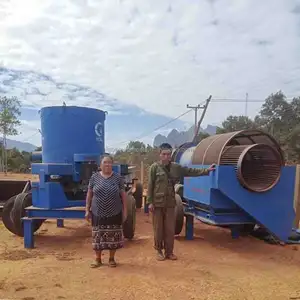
36	156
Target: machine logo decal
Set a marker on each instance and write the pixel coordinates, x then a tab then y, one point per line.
99	132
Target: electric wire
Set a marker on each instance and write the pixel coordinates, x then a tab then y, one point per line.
152	131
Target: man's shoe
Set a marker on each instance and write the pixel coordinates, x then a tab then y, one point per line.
171	257
160	256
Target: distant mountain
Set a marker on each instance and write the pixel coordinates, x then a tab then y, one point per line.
21	146
176	138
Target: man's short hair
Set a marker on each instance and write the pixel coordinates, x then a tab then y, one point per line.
165	146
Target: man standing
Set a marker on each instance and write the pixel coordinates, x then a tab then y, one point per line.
161	199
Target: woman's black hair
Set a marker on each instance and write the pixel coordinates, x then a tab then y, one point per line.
106	155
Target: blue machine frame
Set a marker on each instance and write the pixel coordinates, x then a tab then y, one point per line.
60	161
48	206
220	199
225	202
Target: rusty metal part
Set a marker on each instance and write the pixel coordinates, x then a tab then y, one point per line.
258	166
210	150
256	155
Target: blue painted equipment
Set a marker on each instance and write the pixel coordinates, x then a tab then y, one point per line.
36	156
71	134
72	143
251	185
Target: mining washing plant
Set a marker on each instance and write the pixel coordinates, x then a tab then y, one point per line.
251	186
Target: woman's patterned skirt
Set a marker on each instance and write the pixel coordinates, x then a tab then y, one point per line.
107	233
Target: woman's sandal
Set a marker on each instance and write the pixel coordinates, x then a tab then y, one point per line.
96	264
112	263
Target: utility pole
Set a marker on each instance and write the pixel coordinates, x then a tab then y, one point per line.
196	108
246	105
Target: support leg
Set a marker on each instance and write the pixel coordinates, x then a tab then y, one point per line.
146	207
28	233
189	227
235	232
60	223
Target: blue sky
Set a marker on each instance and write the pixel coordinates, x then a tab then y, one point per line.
143	61
124	121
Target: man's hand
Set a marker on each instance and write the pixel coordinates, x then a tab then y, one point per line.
212	168
88	215
151	207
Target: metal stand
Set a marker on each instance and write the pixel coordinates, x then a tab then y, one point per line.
34	213
60	223
189	227
146	206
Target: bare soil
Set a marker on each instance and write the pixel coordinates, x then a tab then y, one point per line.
18	176
213	266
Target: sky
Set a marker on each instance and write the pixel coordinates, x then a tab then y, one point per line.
144	61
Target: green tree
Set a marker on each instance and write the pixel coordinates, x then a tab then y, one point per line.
9	121
18	161
236	123
136	146
277	117
294	145
281	119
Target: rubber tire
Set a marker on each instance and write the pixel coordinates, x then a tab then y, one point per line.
129	224
179	215
138	195
22	201
6	212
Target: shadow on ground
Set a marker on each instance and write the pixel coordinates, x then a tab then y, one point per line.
247	246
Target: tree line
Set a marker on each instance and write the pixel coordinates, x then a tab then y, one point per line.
10	111
277	116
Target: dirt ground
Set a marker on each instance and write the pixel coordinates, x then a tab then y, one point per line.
213	266
18	176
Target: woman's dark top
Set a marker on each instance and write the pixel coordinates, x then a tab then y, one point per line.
106	200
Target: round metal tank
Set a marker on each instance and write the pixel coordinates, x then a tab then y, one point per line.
183	154
69	130
186	157
255	154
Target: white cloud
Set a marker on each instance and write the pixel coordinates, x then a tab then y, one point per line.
158	55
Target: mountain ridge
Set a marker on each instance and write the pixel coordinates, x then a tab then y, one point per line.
176	138
21	146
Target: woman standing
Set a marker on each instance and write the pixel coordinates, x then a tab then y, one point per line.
106	207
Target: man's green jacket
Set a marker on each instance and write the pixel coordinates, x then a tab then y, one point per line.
161	182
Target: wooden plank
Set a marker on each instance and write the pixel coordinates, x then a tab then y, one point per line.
297	197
